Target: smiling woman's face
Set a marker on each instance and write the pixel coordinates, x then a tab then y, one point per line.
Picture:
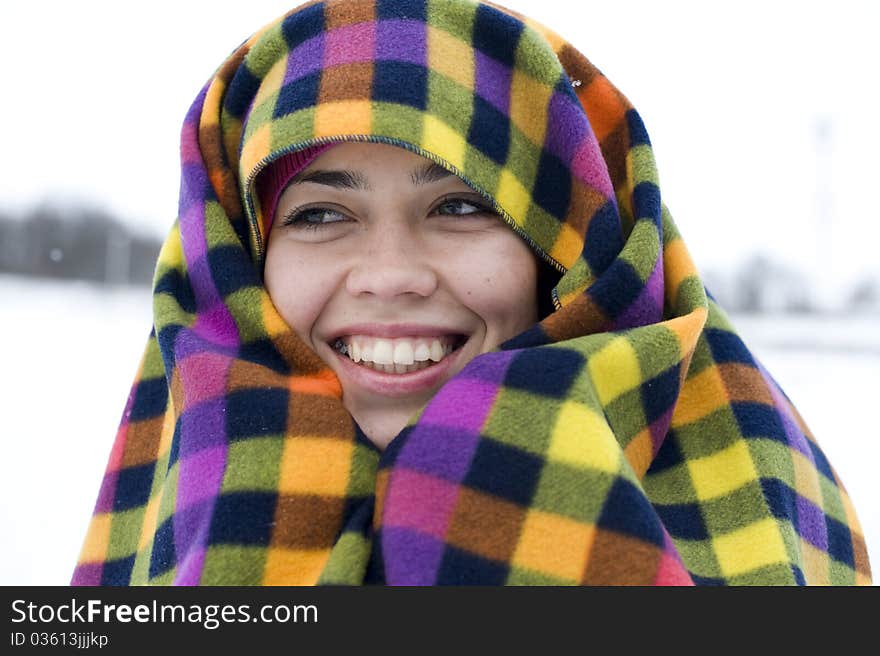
377	255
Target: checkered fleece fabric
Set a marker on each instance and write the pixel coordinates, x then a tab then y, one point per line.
630	437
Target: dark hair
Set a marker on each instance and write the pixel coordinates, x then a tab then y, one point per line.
548	278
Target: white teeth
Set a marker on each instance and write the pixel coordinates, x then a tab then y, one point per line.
403	353
382	353
437	351
423	352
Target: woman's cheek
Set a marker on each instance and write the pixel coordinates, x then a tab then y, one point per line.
297	287
503	298
511	270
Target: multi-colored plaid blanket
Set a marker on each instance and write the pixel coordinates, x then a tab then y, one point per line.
630	437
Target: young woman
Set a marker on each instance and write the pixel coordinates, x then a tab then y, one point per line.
424	319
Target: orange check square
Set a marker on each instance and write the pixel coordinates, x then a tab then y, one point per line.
554	545
315	465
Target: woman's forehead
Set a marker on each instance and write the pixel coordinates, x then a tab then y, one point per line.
355	165
353	153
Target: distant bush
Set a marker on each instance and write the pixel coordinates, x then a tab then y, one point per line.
761	284
81	243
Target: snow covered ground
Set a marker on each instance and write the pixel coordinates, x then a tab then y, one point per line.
68	353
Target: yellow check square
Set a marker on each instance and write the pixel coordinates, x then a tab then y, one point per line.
615	369
512	196
722	472
750	548
583	438
438	137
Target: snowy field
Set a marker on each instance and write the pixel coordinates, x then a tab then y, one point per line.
69	352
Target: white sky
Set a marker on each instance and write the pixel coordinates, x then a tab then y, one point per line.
94	94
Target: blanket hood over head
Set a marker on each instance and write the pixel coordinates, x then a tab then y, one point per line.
630	437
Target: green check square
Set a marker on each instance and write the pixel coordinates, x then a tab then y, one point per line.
735	510
710	434
626	415
233	565
575	492
530	431
523	576
670	486
253	465
125	532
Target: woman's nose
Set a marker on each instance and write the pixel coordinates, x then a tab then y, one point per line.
392	262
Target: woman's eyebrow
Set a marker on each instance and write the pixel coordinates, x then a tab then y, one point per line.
337	179
343	179
429	173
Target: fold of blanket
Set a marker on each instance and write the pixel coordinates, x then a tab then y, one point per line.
629	437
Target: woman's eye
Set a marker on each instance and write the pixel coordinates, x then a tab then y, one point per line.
462	207
312	218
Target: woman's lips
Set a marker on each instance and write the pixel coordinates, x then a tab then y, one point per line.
392	384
